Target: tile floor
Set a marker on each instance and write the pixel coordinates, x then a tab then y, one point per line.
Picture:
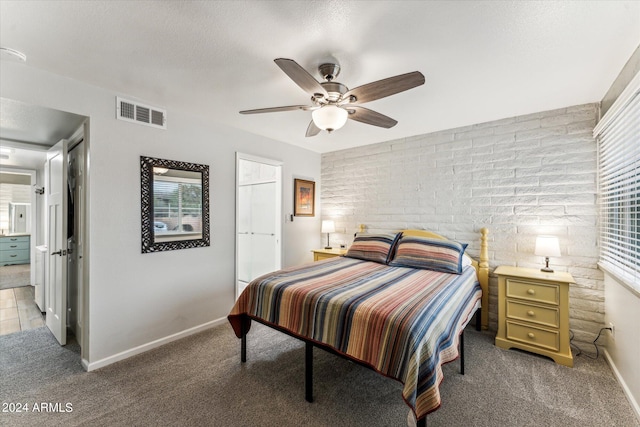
18	310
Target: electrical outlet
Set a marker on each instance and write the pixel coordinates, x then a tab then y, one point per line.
612	331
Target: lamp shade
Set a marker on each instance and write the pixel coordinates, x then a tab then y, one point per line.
328	226
329	117
547	246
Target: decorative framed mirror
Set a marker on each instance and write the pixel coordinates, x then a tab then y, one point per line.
175	204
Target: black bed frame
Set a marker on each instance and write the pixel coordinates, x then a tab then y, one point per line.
308	354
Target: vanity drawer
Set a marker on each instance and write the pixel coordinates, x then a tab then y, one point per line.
537	292
18	256
531	335
8	245
14	239
547	316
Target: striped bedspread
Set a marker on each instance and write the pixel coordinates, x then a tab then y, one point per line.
403	322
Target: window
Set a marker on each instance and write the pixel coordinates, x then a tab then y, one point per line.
618	136
177	205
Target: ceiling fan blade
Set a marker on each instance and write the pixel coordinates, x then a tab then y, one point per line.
385	87
312	130
277	109
370	117
300	76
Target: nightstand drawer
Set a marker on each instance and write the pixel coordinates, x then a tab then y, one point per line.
320	256
546	316
533	336
538	292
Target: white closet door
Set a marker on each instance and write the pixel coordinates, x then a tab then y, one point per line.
258	213
263	209
263	217
244	215
244	234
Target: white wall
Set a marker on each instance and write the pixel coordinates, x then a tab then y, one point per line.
520	177
623	350
622	306
136	299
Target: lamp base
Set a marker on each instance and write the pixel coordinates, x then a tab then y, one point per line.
546	268
328	244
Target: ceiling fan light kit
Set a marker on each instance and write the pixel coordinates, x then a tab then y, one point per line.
330	117
333	102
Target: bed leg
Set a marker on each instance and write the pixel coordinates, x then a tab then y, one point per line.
462	353
243	348
422	422
308	372
478	320
245	322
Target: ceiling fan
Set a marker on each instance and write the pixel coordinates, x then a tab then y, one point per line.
333	103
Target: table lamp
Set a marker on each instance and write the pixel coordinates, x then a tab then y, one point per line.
328	226
547	246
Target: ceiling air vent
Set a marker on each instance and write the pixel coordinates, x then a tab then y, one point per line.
136	112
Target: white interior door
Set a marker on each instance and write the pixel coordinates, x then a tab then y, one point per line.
56	235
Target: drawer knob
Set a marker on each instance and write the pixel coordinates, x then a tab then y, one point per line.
531	335
531	291
530	313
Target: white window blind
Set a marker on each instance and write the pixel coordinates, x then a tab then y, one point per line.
619	183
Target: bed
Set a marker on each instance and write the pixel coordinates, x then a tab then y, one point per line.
397	303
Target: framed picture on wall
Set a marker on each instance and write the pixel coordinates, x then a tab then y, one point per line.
304	197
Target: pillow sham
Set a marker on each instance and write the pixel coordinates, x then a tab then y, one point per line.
373	247
429	254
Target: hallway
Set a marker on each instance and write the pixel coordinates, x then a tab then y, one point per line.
18	310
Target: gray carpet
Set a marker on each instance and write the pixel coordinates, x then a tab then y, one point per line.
199	381
15	276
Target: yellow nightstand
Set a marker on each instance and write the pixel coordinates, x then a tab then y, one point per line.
319	254
533	312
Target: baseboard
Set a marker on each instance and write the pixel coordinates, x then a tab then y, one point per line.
634	405
149	346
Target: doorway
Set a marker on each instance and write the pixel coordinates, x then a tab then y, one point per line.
18	227
258	214
28	138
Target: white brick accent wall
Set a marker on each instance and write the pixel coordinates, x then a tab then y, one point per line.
519	177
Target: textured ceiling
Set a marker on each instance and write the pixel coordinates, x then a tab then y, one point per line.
482	60
31	124
27	131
